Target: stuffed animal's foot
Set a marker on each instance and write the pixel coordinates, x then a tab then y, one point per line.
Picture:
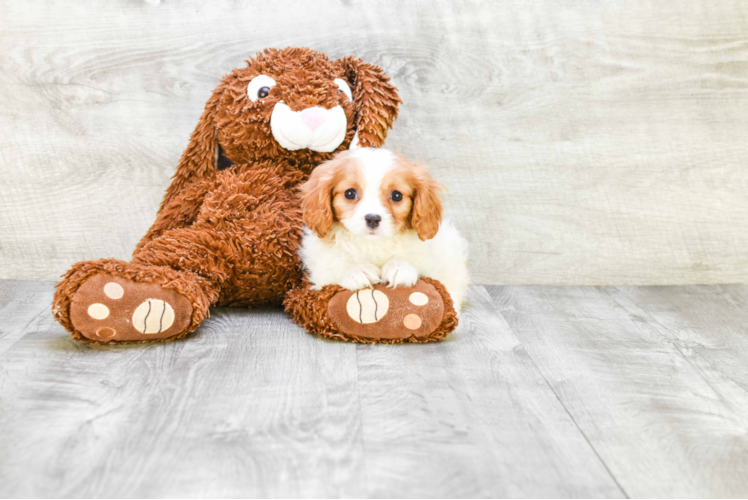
421	313
110	308
110	301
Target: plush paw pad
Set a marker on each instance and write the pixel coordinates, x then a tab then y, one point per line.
367	306
388	314
110	308
153	316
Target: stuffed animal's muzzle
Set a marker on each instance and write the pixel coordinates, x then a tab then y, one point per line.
316	128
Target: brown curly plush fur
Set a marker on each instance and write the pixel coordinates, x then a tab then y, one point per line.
230	237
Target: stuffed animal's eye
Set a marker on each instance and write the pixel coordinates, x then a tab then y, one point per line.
344	88
396	196
259	87
350	194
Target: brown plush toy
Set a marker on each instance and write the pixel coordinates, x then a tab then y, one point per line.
229	227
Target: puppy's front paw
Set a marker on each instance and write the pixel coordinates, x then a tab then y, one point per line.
361	277
399	273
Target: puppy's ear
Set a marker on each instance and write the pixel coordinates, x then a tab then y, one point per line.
374	98
200	157
316	197
426	215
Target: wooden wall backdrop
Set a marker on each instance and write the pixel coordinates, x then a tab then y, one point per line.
583	142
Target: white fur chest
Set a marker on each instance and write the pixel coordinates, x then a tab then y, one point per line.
327	259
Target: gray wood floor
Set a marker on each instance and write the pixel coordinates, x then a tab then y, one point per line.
543	391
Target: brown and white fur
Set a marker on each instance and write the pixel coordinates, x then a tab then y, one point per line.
374	235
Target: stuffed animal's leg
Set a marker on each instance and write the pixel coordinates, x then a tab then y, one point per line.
111	301
422	313
163	294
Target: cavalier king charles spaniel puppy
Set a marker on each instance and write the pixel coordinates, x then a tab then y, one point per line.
374	217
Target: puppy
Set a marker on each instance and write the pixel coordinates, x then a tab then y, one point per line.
374	217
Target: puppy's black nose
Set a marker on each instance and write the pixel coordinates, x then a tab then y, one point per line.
373	220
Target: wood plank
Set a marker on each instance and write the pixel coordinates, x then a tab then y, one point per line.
470	417
582	143
653	417
22	306
708	325
249	406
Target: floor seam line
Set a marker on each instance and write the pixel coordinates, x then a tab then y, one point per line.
550	387
23	330
361	417
661	329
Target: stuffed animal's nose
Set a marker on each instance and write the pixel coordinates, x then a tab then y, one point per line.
314	117
373	220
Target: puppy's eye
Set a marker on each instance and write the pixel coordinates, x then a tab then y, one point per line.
259	87
350	194
396	196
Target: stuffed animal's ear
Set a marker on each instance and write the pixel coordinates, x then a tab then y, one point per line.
201	155
375	99
316	198
426	215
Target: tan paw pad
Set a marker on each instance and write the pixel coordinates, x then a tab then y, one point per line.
98	311
153	316
412	322
114	290
367	306
418	299
105	333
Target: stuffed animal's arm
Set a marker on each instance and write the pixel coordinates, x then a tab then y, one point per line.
178	211
255	184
